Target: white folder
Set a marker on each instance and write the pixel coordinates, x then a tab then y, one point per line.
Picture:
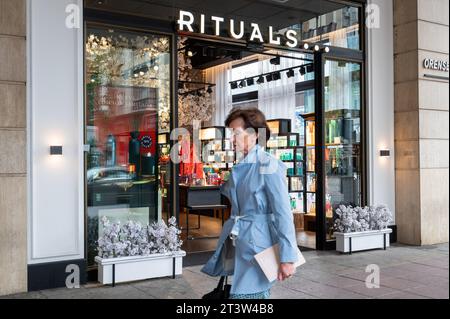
269	261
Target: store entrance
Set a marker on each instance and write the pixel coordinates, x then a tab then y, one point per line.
213	79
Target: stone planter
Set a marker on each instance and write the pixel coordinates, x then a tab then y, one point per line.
125	269
351	242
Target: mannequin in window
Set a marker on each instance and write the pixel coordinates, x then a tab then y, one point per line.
189	164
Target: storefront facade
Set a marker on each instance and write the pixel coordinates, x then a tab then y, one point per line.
74	92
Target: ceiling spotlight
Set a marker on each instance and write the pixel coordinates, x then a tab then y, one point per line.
276	76
260	80
305	46
275	61
189	53
269	77
310	68
242	84
156	68
316	47
327	49
234	85
302	70
209	90
290	73
250	81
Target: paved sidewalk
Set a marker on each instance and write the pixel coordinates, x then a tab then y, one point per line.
405	273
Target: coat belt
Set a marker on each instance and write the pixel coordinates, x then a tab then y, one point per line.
234	233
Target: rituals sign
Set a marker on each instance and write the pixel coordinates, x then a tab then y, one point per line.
236	29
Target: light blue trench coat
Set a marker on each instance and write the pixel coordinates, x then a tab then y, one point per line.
260	217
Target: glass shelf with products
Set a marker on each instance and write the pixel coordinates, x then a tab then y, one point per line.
278	126
342	142
310	180
283	141
216	147
297	202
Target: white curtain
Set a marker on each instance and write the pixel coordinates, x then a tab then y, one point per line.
339	94
221	76
276	99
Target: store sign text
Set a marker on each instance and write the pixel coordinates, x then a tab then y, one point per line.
437	65
236	30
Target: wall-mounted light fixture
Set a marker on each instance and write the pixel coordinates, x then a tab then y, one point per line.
56	150
385	153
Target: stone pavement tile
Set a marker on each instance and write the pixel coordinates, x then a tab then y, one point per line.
430	291
396	272
319	290
27	295
434	262
339	281
201	284
177	288
401	295
357	274
398	283
279	292
195	269
124	292
312	274
169	293
370	292
425	279
435	271
326	267
120	291
328	278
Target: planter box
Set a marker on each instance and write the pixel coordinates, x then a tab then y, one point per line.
351	242
125	269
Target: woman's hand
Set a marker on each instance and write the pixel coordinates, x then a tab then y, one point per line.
286	271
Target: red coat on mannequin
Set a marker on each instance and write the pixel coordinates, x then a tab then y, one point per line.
189	164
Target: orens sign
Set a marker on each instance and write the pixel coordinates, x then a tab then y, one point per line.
236	29
436	65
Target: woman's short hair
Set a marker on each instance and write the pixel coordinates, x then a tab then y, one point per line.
252	117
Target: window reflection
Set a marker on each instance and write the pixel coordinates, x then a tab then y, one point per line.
127	107
342	136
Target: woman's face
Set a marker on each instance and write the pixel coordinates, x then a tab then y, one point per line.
243	140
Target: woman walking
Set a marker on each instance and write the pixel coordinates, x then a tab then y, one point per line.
260	212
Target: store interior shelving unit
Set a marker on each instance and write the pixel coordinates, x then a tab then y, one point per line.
216	148
297	151
285	146
310	171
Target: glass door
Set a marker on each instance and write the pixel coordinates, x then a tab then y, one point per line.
127	121
342	142
307	166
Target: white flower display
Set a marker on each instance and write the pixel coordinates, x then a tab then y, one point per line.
133	239
359	219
